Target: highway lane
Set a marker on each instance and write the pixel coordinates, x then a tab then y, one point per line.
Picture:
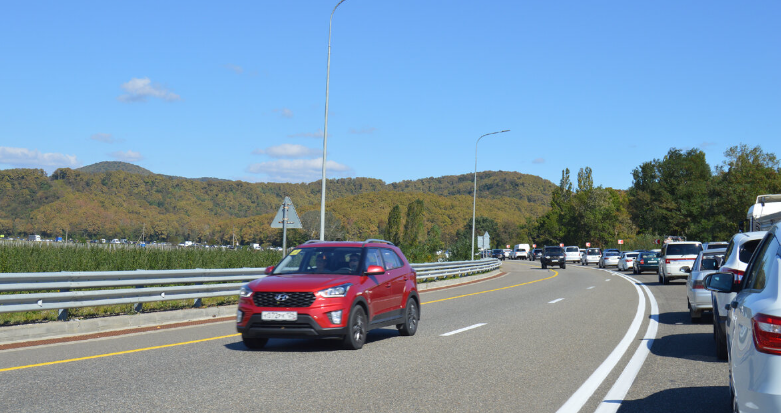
541	335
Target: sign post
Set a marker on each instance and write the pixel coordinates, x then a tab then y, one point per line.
286	218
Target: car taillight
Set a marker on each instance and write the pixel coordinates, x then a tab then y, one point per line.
666	261
698	285
738	275
642	261
767	333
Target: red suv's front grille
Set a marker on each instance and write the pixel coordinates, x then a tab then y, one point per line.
277	299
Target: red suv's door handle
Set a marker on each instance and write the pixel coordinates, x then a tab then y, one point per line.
387	285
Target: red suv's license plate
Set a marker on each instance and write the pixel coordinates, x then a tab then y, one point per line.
279	315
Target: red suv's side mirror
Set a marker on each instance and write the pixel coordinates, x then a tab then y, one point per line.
269	269
374	270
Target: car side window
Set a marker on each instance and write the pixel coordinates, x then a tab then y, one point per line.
391	259
756	275
373	257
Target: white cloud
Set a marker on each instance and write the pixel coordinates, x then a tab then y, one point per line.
26	158
127	156
318	134
103	137
298	170
363	131
705	145
236	69
538	160
288	150
286	113
140	89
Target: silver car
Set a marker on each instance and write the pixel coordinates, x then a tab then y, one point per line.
697	297
608	258
591	256
754	328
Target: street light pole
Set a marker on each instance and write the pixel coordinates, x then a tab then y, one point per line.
325	128
474	193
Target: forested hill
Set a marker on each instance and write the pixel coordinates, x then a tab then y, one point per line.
124	202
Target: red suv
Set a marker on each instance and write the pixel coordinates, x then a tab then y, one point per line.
331	289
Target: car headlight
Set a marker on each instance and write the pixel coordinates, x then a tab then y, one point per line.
245	292
338	291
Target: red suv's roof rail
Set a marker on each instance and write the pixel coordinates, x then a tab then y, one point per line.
377	241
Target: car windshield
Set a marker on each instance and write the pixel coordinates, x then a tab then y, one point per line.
554	250
747	249
593	251
573	249
611	254
650	255
321	260
683	249
633	255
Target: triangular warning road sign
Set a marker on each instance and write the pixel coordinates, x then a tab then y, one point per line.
287	212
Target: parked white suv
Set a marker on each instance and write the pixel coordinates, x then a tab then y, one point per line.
676	256
754	328
739	251
572	254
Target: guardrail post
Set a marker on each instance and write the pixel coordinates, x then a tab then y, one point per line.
62	313
137	307
198	303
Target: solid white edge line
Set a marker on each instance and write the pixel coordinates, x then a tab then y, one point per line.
615	397
587	389
555	301
461	330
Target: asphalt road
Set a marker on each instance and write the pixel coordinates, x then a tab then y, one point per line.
536	337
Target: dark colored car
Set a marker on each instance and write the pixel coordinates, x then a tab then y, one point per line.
553	256
498	253
646	261
331	289
535	254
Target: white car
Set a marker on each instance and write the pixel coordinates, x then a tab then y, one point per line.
591	256
609	258
674	257
697	297
739	251
627	260
572	254
518	254
754	328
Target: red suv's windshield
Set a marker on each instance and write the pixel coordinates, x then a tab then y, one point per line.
321	260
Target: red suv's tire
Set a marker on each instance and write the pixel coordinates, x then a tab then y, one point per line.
356	329
411	317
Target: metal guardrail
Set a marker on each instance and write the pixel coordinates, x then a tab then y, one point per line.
53	290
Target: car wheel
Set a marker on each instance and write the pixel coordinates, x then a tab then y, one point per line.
563	266
694	315
720	338
254	343
411	317
544	267
356	329
659	275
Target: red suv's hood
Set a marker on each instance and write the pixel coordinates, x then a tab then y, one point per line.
300	282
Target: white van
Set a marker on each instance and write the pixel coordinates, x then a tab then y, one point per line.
34	238
674	257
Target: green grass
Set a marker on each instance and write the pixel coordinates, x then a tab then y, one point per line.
27	257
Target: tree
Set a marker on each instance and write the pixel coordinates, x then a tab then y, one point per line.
393	229
743	175
585	180
413	225
670	196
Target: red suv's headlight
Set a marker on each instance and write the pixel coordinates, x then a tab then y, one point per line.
338	291
245	292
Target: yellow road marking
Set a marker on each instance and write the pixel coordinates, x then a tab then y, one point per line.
116	354
234	335
496	289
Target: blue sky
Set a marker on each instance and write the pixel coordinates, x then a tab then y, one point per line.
236	90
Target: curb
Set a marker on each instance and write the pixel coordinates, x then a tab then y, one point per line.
62	331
